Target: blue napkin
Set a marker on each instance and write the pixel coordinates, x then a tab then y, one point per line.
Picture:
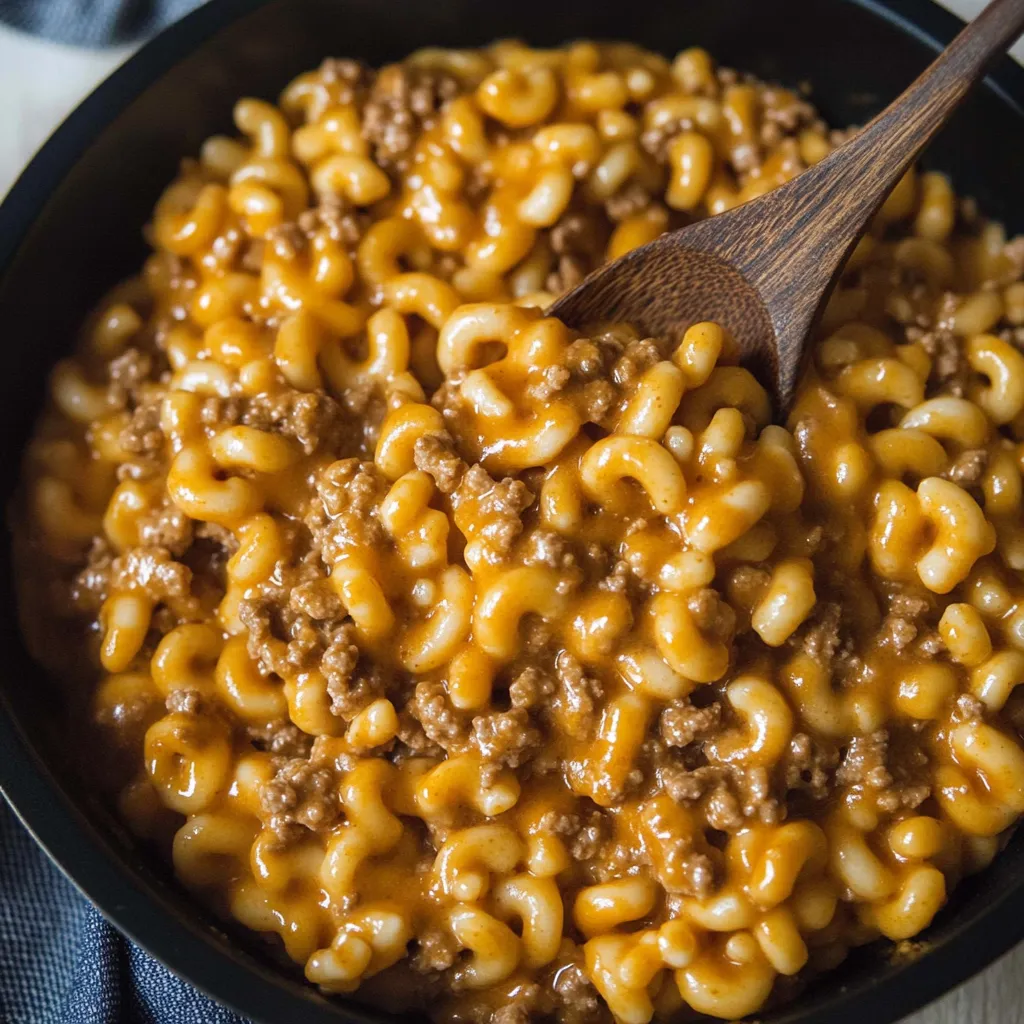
62	963
93	22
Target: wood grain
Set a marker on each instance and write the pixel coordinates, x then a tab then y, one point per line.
764	269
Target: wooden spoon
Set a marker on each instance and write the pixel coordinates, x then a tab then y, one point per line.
764	269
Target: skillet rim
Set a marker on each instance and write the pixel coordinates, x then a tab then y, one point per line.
150	917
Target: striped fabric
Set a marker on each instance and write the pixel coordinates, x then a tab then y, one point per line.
62	963
92	22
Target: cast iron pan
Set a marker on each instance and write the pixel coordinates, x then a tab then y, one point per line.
71	228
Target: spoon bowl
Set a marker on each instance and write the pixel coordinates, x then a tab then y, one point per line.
764	270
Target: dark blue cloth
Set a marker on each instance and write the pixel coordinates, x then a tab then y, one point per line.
62	963
93	22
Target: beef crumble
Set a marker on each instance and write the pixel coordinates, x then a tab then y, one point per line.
401	105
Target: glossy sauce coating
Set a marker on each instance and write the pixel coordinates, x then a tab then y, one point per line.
507	670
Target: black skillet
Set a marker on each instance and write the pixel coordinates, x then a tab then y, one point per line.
70	229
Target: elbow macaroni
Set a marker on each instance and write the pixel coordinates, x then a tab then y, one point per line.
431	631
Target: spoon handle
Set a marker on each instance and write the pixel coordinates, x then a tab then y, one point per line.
763	268
876	158
815	220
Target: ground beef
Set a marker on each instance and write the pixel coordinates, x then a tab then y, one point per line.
265	647
352	486
686	872
402	103
576	700
584	831
220	412
929	644
312	418
586	359
344	223
441	723
682	723
154	571
300	794
968	467
619	580
364	402
967	708
590	838
578	241
186	702
225	250
283	738
722	809
500	504
528	999
506	738
630	200
684	867
688	785
655	140
782	108
638	356
591	363
448	401
317	599
896	633
504	504
730	797
907	605
305	642
142	434
537	635
436	455
578	233
434	950
576	997
822	637
166	527
338	661
287	241
125	374
530	687
713	616
351	493
597	400
864	762
413	740
91	583
350	691
747	583
545	547
909	796
553	380
808	766
350	78
907	763
753	787
950	370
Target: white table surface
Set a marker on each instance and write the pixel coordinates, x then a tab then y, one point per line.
41	82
